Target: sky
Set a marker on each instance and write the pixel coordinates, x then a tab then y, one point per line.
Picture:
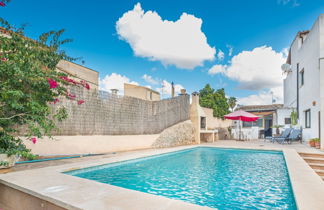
238	45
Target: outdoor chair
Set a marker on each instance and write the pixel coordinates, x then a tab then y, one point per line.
283	137
295	135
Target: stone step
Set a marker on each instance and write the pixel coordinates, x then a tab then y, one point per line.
314	160
317	166
319	172
311	155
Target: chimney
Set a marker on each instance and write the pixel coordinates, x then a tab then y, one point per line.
183	92
172	89
114	91
195	99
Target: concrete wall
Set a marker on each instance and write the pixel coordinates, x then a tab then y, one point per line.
71	145
141	92
106	114
214	122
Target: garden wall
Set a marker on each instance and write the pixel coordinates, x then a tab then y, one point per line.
104	113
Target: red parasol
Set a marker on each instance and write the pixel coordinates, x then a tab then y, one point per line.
242	116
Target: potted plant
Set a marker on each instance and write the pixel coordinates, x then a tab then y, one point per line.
277	127
311	143
317	143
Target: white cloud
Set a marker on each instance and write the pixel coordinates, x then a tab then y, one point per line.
149	79
217	69
180	43
263	97
166	88
220	55
230	50
114	81
295	3
256	69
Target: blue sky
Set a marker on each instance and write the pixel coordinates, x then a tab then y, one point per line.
184	51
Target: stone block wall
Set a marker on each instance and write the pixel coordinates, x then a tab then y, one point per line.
104	113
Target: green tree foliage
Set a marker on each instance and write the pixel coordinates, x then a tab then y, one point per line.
232	103
28	84
215	100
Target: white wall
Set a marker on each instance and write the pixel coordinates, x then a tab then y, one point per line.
307	55
282	114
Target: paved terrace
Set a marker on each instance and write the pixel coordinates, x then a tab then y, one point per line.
46	187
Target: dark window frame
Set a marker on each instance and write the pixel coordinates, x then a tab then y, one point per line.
308	118
287	120
302	77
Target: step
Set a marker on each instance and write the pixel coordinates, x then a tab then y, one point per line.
313	160
317	165
319	172
311	155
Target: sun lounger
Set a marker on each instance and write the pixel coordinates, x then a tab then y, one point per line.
295	135
283	137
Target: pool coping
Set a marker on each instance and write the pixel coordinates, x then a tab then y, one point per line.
72	192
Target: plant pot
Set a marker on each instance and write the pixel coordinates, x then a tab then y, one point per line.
317	145
312	143
10	160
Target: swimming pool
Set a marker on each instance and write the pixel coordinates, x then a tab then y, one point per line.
213	177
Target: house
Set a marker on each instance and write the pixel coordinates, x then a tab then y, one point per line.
141	92
304	82
79	72
269	116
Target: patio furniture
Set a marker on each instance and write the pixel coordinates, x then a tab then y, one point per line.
283	137
295	135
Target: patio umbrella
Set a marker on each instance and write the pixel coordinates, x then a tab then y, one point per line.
242	116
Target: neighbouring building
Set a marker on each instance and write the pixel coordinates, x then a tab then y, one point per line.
141	92
269	116
79	72
304	82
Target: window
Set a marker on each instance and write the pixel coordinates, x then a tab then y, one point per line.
307	118
287	121
301	77
258	123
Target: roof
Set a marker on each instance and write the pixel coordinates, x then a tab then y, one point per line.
258	108
137	86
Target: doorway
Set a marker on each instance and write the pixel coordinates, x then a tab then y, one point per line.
267	127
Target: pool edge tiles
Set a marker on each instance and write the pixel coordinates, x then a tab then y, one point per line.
82	193
115	170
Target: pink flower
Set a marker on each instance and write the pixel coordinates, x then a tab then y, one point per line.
56	100
4	59
34	140
52	83
80	102
69	80
85	84
2	4
71	96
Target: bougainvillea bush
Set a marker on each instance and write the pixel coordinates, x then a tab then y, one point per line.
29	83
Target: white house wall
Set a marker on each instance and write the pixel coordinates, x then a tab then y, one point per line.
307	55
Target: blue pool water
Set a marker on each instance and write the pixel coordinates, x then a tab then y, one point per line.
213	177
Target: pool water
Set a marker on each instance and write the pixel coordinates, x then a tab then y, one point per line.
213	177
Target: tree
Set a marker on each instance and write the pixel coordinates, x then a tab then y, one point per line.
29	82
215	100
232	103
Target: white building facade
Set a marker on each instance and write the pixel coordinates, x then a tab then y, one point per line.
304	82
